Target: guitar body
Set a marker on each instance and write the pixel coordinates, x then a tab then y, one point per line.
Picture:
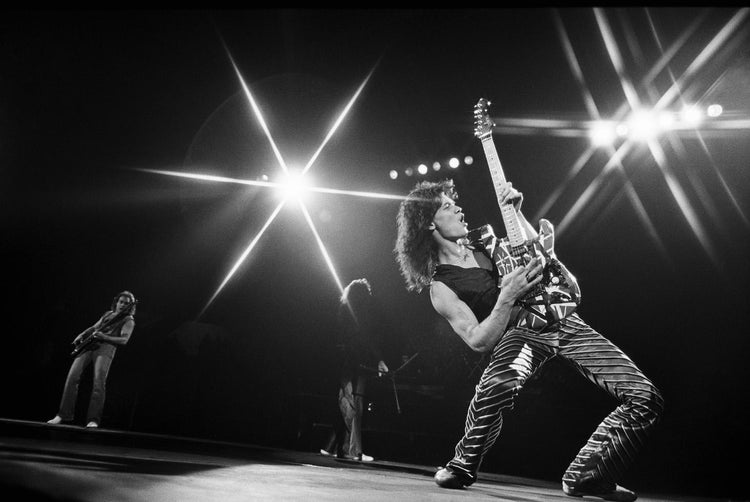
86	343
556	296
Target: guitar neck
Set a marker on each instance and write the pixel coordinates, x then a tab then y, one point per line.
513	227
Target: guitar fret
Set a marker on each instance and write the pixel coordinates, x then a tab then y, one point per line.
516	233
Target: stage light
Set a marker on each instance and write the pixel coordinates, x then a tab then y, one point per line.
454	162
293	184
409	171
642	125
468	160
666	121
393	174
422	169
602	133
436	166
622	130
714	110
691	115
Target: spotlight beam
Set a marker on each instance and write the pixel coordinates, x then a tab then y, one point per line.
539	123
594	186
614	55
355	193
258	114
270	184
724	184
209	177
682	201
665	58
703	197
575	67
243	256
572	173
631	40
590	104
338	121
709	51
322	247
640	210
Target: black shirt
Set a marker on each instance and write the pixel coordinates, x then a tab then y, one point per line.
476	286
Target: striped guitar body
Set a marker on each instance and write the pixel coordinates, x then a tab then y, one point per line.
557	295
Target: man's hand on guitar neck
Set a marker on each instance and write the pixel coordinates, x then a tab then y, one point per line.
508	195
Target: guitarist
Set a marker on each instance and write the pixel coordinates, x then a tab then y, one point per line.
97	344
467	289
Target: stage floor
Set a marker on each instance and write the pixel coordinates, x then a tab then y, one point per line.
70	463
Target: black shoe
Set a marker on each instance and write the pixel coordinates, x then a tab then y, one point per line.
600	489
446	478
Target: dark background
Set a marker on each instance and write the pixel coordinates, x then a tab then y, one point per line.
89	98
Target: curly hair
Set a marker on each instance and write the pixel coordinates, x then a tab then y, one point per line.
416	251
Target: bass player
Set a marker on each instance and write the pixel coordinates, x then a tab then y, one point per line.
97	345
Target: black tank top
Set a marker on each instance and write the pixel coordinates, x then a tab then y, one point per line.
476	286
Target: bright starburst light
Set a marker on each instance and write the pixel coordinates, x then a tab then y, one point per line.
637	125
292	183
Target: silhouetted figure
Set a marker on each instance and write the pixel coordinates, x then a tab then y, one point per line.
359	348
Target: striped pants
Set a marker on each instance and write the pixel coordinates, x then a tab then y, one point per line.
612	446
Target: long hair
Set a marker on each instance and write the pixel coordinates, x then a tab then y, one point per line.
355	302
355	291
416	251
130	296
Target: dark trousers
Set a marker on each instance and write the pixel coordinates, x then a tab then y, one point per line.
521	352
101	357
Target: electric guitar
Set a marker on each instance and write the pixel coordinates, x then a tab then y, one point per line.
87	341
557	295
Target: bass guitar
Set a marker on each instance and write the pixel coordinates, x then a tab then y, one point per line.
557	295
88	340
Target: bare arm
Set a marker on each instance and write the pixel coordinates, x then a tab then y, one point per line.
483	336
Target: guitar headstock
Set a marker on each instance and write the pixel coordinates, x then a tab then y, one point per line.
482	122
